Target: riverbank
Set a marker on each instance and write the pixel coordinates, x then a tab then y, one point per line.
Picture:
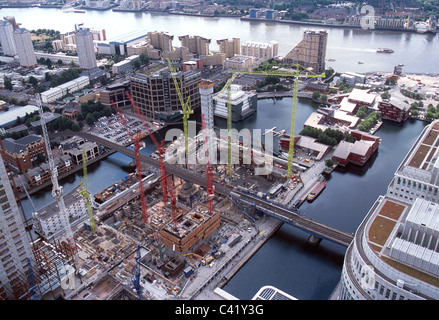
76	168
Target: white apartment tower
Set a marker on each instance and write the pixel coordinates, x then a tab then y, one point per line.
85	49
206	92
7	39
25	48
14	244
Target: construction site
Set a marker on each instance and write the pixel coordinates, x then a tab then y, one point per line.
154	235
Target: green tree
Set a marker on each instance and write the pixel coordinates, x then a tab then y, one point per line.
7	83
316	95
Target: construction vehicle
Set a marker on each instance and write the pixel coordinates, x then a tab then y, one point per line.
136	145
85	194
204	261
186	108
300	72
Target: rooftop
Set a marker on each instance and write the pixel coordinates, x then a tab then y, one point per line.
400	233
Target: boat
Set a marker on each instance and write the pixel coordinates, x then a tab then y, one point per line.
385	50
360	62
316	191
421	27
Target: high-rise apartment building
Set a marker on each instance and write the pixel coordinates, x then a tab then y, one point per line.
260	50
310	52
229	47
14	243
157	97
7	38
196	44
85	49
161	40
206	93
395	251
25	48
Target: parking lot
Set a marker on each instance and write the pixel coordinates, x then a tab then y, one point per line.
113	129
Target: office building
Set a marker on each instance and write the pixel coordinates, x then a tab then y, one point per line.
15	246
156	95
229	47
418	174
260	50
196	44
310	52
244	103
7	38
395	251
25	48
85	49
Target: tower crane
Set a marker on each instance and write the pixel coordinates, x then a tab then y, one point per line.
209	174
229	121
135	279
166	184
57	191
186	108
85	194
136	145
297	74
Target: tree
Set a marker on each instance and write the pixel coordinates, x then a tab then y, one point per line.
7	83
329	163
90	119
33	81
316	95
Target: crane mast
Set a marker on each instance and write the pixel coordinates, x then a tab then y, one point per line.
85	194
167	185
57	192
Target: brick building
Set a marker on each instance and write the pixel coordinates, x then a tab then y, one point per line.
20	154
394	110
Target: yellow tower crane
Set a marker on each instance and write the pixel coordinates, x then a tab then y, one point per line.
229	121
300	72
85	194
186	107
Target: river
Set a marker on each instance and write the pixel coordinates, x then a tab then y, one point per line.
285	261
417	52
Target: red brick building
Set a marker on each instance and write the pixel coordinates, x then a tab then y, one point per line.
394	110
358	152
20	154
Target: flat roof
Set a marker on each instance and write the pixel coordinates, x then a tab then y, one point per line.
10	116
362	96
129	37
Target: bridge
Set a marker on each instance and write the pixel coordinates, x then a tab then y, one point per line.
309	225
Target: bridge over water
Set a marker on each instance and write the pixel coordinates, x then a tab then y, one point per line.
311	226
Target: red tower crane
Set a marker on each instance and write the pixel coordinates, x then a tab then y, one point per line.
209	174
167	185
136	144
